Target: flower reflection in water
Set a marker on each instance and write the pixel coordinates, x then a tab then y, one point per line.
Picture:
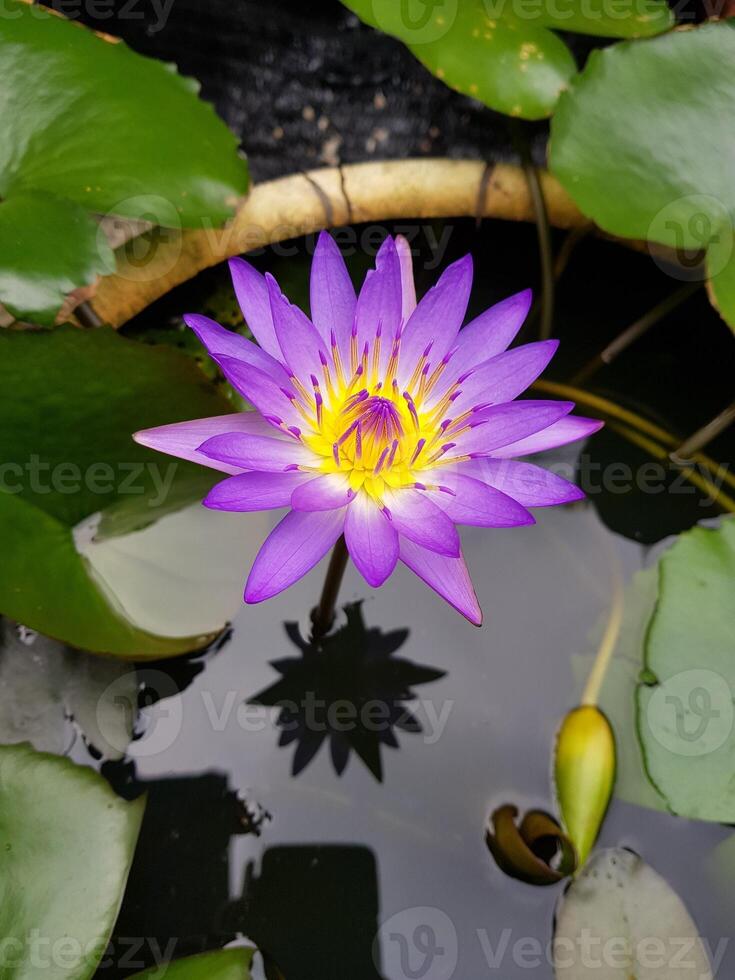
349	690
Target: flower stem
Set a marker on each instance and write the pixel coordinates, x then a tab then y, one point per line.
322	616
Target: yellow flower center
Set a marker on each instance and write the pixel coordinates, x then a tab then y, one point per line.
369	428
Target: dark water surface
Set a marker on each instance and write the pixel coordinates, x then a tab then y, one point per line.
337	857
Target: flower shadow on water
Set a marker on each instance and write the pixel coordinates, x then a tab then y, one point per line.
348	690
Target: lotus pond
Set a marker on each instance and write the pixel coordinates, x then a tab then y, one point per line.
394	759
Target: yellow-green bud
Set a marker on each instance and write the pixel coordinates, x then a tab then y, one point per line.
584	772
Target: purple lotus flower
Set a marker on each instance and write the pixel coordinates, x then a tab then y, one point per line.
377	419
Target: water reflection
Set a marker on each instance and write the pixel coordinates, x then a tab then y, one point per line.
314	910
348	690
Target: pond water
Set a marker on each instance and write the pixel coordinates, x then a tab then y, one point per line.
363	855
335	857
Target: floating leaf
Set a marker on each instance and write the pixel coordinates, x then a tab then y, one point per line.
90	126
641	143
505	55
620	920
62	83
536	851
72	399
66	844
584	774
43	685
37	271
686	717
225	964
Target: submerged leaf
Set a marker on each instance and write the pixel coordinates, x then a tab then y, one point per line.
43	686
584	774
618	693
619	920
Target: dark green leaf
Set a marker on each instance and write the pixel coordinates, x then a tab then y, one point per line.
505	55
48	247
642	143
71	401
93	121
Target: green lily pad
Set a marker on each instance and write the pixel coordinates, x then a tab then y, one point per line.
87	125
36	271
686	718
71	401
93	121
502	54
66	845
225	964
642	139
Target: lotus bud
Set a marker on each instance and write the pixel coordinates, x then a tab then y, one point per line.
584	772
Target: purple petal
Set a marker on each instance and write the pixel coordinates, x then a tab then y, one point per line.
270	398
254	491
252	295
380	301
446	576
257	452
503	424
183	439
371	540
530	485
492	331
300	341
323	493
291	550
437	318
417	518
224	342
504	377
408	288
475	503
333	299
558	434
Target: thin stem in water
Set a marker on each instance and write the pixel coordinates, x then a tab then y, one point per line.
543	228
636	330
323	615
